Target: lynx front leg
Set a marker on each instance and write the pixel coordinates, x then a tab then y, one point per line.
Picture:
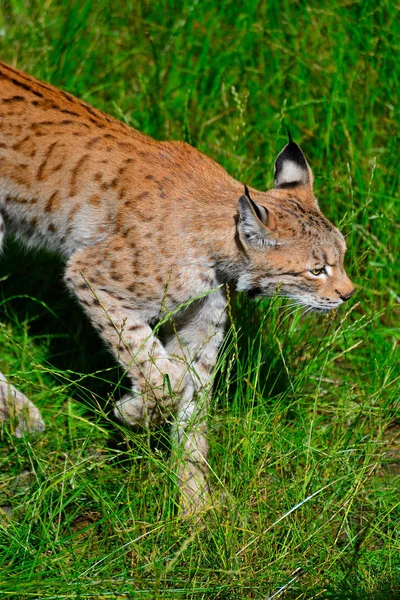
123	324
14	405
197	341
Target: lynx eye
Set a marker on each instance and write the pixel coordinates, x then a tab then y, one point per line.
318	271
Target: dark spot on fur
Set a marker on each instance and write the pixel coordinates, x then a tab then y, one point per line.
69	112
40	173
13	99
92	142
79	167
67	96
53	202
95	200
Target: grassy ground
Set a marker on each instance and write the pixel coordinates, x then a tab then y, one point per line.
304	437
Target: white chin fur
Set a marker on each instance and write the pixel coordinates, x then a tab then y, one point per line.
244	283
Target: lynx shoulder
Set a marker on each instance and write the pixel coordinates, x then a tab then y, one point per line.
144	224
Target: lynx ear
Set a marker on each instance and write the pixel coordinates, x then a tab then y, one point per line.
256	224
291	167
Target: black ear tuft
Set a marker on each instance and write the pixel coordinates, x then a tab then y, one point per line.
289	135
253	224
260	211
291	168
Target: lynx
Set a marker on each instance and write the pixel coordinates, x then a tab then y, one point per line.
152	229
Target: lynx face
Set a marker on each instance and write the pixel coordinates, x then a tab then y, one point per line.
292	249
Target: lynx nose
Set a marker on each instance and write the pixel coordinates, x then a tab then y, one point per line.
345	296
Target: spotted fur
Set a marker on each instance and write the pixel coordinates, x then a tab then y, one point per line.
146	228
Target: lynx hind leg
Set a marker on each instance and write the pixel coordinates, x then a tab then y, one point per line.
16	407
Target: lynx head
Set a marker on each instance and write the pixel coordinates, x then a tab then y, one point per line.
290	247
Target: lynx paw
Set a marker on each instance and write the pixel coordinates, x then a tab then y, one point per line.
131	410
195	494
136	411
19	410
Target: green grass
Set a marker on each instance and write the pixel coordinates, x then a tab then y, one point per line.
304	442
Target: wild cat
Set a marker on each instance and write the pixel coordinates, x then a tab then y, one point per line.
151	229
